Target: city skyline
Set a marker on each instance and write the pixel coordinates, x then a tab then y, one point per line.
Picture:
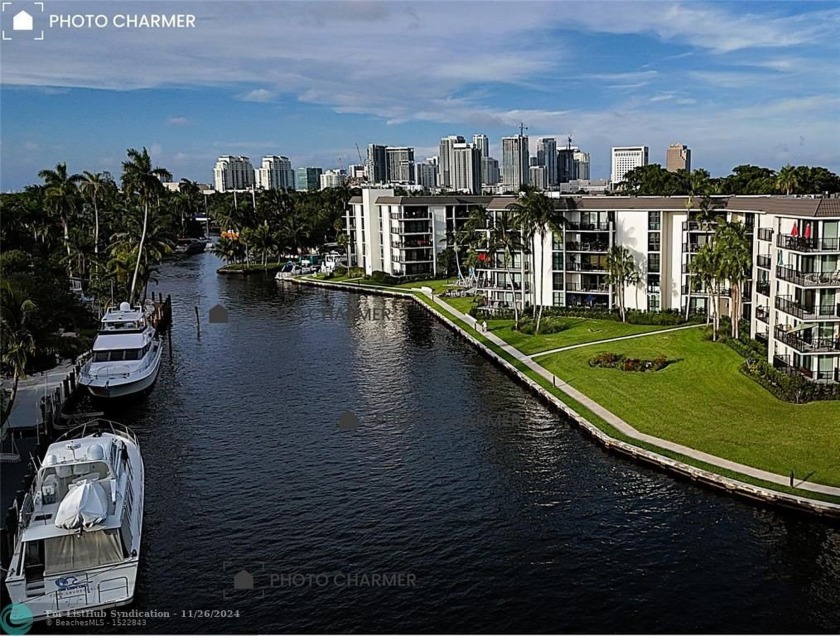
733	86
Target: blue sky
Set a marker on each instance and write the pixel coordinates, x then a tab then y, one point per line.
743	82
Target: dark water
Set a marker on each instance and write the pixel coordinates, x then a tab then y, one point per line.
502	517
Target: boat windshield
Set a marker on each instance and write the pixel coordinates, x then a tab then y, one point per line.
119	355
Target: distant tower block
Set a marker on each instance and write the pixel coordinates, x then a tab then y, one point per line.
678	158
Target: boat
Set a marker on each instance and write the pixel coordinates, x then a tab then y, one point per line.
292	269
126	354
190	246
77	535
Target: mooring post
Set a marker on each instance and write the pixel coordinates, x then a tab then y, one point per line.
197	322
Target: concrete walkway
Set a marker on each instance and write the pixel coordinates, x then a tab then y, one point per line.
620	424
26	411
616	339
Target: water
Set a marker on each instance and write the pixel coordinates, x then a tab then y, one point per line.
503	517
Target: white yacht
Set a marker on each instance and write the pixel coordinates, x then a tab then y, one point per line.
126	354
77	542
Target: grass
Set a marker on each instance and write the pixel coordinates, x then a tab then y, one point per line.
249	267
704	402
607	428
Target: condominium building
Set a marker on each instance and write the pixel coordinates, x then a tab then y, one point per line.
515	162
483	144
547	157
445	159
400	165
538	177
581	163
333	179
426	174
233	173
678	157
625	158
308	179
377	164
489	171
275	173
466	168
792	301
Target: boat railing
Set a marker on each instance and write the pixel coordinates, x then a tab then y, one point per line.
99	425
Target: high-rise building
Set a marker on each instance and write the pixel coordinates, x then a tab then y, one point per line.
275	173
566	164
233	173
400	165
466	168
308	179
515	162
625	158
547	157
678	158
445	159
426	174
581	160
333	179
483	144
489	171
538	177
377	164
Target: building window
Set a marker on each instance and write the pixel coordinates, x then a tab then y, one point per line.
653	242
557	281
653	302
654	221
653	262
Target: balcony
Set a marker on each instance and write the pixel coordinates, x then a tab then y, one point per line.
588	288
411	215
585	267
583	246
765	234
763	288
809	279
828	311
411	243
832	375
691	248
694	226
588	227
763	261
802	244
809	344
762	313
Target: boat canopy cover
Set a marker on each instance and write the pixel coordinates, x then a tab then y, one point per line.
110	342
84	506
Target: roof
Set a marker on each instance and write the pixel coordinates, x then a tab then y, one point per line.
436	200
118	340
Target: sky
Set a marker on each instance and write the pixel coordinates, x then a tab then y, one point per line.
741	82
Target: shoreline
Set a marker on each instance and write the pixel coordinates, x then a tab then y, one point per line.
758	494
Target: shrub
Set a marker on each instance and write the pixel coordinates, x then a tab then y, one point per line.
357	272
611	360
660	362
381	278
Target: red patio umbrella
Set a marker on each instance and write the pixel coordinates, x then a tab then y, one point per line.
807	233
794	230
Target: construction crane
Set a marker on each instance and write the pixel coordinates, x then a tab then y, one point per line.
522	128
361	161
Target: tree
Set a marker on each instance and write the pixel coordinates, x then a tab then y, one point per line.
734	259
141	179
537	215
788	179
18	344
705	266
621	272
91	186
505	238
261	240
62	196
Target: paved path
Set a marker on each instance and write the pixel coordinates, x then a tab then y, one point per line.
26	411
623	426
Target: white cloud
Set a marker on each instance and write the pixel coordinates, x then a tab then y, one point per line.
178	121
257	95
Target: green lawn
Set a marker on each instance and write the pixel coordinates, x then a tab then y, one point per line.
704	402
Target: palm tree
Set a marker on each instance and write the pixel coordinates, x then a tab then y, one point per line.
141	179
61	195
621	272
477	220
91	186
735	260
537	215
18	342
155	242
705	266
787	179
505	238
261	240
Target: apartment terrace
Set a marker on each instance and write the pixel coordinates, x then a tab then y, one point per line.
805	245
803	345
808	279
827	311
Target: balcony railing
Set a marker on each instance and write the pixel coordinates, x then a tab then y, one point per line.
763	261
411	215
585	267
828	311
591	289
410	244
802	244
809	279
762	313
583	246
763	288
692	248
588	227
832	375
765	234
807	345
694	226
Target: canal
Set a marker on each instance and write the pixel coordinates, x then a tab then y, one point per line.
449	500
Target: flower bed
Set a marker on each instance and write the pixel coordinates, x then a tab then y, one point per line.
618	361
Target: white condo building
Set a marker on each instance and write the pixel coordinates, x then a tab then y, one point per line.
233	173
275	173
515	162
465	170
792	301
625	158
446	158
332	179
